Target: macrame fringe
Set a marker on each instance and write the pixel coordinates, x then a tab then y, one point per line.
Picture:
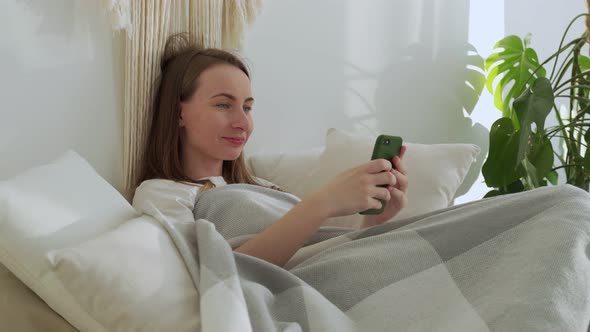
212	23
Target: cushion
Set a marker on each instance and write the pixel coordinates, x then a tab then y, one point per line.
66	204
23	311
435	171
130	279
285	169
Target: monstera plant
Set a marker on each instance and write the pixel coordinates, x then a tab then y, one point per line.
521	151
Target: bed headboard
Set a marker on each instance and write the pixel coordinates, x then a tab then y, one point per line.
61	86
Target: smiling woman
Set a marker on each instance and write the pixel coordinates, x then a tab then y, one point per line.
200	122
200	117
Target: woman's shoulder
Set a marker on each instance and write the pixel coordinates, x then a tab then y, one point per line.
164	186
164	195
265	182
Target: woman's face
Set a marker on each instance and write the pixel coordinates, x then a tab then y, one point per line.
216	123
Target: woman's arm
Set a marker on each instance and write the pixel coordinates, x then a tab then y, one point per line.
278	243
349	192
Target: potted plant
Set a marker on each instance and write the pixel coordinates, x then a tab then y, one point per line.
521	151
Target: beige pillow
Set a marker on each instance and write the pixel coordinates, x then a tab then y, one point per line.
435	171
23	311
285	169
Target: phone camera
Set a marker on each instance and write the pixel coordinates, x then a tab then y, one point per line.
386	142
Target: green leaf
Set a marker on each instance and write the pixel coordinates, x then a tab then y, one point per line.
474	79
533	106
584	63
500	168
541	156
493	193
514	61
531	180
552	177
587	161
515	187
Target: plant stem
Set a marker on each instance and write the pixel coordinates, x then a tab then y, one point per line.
554	55
566	166
555	129
559	157
572	79
572	87
563	70
560	136
563	39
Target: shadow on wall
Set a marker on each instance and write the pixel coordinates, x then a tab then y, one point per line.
425	99
433	101
399	67
427	91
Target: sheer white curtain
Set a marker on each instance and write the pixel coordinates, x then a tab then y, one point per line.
398	67
212	23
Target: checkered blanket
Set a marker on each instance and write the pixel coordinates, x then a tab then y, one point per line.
511	263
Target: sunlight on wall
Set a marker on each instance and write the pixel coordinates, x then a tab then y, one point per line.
486	27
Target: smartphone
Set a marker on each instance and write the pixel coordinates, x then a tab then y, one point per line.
386	147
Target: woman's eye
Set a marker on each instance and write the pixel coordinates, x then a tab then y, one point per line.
247	108
224	106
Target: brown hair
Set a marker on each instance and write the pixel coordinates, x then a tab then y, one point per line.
181	65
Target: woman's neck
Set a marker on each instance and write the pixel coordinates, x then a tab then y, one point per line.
197	167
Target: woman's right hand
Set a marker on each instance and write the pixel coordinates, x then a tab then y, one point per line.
355	190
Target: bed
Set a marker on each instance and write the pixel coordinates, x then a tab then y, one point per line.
90	262
75	255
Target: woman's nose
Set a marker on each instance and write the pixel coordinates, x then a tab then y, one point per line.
241	120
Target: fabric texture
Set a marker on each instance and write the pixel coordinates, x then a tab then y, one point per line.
53	206
286	169
434	171
23	311
509	263
129	279
172	199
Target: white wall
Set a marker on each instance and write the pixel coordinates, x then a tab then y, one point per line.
335	63
339	63
546	20
60	86
316	64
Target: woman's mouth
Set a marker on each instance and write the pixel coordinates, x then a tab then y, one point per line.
235	141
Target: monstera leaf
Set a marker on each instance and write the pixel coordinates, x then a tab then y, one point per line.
512	63
499	169
533	106
539	161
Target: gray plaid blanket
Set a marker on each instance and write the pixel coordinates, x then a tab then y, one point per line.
511	263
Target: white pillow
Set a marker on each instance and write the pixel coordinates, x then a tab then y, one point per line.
435	171
286	170
50	207
131	279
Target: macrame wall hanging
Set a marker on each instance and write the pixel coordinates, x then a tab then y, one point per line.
213	23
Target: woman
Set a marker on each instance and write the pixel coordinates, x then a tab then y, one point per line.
201	120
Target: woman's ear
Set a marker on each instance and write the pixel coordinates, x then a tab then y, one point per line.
180	119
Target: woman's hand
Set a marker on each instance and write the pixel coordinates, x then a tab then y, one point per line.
398	194
357	189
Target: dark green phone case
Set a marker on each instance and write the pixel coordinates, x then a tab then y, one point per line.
386	147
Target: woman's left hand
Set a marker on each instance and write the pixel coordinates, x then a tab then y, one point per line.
398	194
